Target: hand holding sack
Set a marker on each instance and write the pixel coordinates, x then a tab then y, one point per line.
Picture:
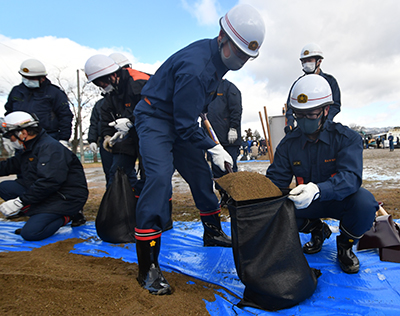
93	147
117	137
304	194
219	156
11	207
232	135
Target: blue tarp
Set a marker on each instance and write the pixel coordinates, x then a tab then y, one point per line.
375	290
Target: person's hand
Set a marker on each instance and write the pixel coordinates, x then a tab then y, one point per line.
288	129
106	143
93	147
304	194
232	135
219	156
117	137
121	124
11	207
64	143
8	146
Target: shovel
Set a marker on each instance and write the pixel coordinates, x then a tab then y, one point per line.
384	233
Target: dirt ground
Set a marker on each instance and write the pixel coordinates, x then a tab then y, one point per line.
52	281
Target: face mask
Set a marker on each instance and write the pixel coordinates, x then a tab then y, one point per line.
309	68
16	145
31	84
108	89
232	62
308	126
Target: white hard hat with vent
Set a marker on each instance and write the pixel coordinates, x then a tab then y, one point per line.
98	66
311	50
310	92
120	59
32	68
18	120
244	25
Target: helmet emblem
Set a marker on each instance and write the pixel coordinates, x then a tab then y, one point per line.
25	70
306	52
302	98
253	45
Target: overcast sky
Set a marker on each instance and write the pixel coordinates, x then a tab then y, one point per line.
359	39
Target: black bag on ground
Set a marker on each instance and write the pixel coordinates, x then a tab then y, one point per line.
268	254
116	218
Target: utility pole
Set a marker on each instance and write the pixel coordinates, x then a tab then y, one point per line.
80	121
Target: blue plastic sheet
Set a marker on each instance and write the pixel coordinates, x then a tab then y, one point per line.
375	290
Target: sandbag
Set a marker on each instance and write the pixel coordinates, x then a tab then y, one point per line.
268	254
116	218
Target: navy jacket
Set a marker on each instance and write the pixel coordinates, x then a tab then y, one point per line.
52	175
49	103
334	108
95	123
334	161
225	112
120	104
182	88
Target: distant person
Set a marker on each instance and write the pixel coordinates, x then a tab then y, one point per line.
326	160
37	95
391	144
311	57
170	137
225	116
53	188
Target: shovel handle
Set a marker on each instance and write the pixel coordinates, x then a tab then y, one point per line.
228	167
383	212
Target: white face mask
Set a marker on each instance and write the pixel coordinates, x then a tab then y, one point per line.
309	68
108	89
232	62
31	84
16	145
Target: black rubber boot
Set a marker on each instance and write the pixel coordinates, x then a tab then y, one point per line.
213	233
348	261
319	232
78	219
150	276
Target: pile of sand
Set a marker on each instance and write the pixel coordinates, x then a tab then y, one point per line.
246	185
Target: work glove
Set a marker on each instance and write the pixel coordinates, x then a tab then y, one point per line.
122	124
232	135
11	207
64	143
7	144
117	137
288	129
219	156
304	194
93	147
106	143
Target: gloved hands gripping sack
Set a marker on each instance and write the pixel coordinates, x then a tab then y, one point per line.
304	194
219	156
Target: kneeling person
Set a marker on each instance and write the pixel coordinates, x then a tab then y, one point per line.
52	188
326	160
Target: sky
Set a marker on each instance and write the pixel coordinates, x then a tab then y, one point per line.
359	40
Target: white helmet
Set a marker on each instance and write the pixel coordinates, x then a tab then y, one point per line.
311	50
18	120
98	66
245	27
310	92
32	68
120	59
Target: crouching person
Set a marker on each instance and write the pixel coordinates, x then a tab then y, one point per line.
326	160
51	188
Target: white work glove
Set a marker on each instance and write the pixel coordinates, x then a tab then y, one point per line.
7	144
304	194
232	135
11	207
117	137
122	124
106	143
64	142
93	147
219	156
